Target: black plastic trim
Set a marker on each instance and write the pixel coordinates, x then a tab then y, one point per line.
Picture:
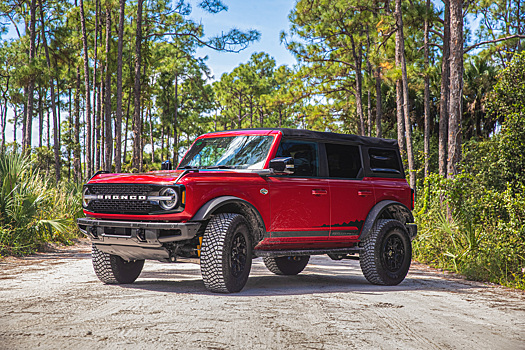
378	210
304	252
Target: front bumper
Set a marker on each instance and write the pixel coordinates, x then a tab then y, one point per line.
134	240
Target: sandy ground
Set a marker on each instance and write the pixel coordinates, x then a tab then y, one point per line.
55	301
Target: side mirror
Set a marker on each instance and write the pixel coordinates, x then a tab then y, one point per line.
282	165
165	165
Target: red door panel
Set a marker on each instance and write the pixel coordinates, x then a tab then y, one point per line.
351	200
299	209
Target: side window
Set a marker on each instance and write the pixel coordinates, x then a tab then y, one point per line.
384	161
344	161
304	155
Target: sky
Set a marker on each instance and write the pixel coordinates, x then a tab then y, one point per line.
269	17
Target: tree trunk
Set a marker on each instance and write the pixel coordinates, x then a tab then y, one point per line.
77	169
456	86
239	115
408	125
445	92
15	127
118	124
426	140
379	131
28	120
103	120
89	166
358	58
151	137
3	117
48	125
175	124
369	95
137	130
399	102
71	150
53	100
40	118
107	108
126	131
98	130
96	96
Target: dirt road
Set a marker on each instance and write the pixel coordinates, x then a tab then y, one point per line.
54	301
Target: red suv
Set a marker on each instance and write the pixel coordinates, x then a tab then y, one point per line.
279	194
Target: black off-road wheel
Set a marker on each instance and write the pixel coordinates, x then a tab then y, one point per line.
226	253
112	269
387	253
286	265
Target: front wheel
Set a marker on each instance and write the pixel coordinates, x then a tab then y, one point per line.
286	265
112	269
387	253
226	253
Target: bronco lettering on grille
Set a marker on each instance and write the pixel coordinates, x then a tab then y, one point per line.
121	197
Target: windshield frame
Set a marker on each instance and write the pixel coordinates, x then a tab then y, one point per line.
223	135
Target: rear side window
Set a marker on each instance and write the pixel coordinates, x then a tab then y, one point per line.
384	161
304	155
344	161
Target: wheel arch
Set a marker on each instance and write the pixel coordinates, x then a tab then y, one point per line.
389	209
232	204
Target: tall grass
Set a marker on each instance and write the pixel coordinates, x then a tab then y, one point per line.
472	230
32	210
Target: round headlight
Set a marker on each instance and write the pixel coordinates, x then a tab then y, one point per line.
85	202
168	204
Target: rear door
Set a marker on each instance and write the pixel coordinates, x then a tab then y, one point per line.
351	195
300	202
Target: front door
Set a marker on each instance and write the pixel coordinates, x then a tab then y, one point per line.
299	202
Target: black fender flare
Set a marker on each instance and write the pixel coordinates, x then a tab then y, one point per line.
243	206
389	209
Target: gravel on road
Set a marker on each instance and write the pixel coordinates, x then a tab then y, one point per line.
54	301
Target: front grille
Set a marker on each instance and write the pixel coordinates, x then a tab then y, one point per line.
121	189
123	206
111	205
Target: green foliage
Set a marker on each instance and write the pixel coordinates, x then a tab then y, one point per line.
473	223
31	210
484	239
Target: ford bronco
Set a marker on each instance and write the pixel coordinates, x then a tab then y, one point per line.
279	194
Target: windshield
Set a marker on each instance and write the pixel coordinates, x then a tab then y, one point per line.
235	152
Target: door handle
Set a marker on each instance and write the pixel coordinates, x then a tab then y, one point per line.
319	192
364	193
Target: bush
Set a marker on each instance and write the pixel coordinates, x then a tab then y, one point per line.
484	237
31	210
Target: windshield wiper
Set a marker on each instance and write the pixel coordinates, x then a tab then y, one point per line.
187	167
221	167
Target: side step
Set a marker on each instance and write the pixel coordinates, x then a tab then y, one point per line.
278	253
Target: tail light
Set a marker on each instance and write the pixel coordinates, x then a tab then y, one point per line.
413	195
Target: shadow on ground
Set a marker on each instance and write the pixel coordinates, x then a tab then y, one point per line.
323	276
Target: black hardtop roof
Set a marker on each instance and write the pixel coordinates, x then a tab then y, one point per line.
334	137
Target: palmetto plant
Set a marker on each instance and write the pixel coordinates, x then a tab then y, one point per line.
30	209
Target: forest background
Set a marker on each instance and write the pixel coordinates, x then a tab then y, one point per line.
118	85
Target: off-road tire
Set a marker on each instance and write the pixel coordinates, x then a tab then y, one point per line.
286	265
112	269
226	253
386	254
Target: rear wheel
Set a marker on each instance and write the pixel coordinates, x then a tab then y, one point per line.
226	253
112	269
287	265
387	253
